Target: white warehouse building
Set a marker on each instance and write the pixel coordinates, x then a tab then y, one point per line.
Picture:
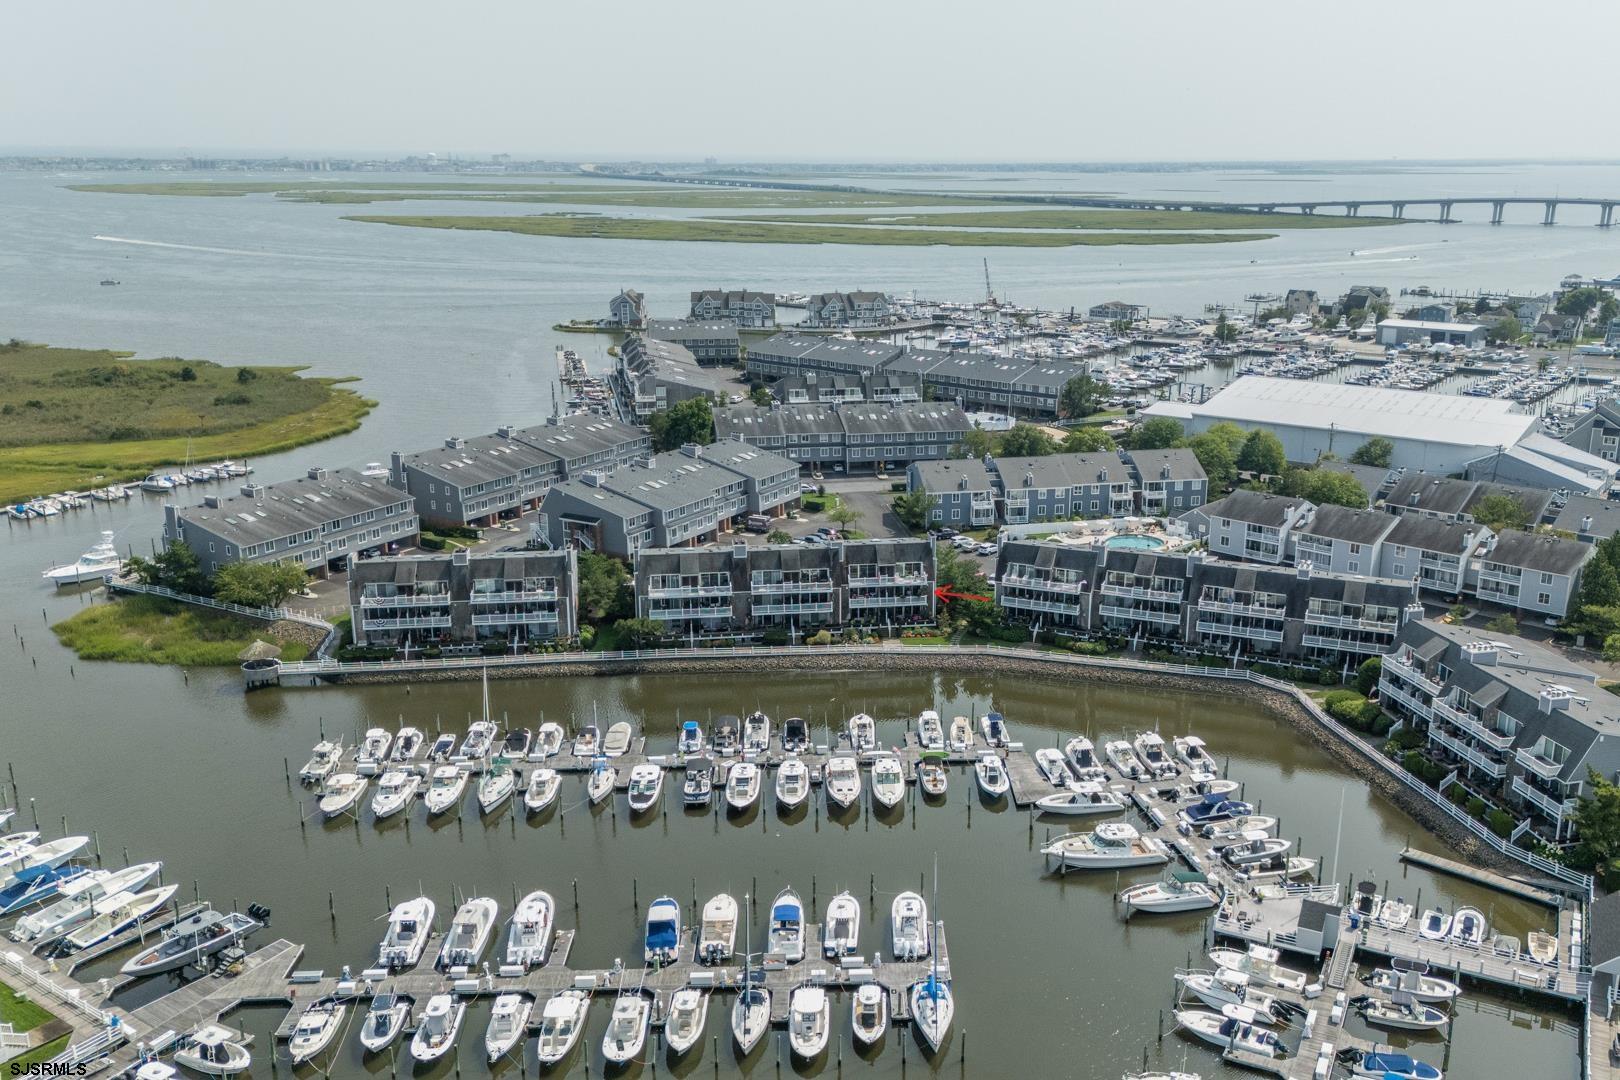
1437	433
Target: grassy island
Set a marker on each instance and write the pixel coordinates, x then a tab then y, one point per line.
151	630
77	418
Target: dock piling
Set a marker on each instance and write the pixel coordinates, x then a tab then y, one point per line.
576	896
331	906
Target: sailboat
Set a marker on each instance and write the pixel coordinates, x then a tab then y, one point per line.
932	1005
751	1012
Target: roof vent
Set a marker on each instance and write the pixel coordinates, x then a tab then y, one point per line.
211	501
1164	473
961	483
1481	653
692	450
253	491
317	473
506	431
650	461
592	479
454	442
1586	523
1554	696
1412	499
1029	479
1304	570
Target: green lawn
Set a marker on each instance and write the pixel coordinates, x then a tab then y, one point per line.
42	1053
151	630
21	1014
937	639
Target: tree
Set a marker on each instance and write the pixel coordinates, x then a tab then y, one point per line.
1088	440
1608	309
1579	301
1597	822
1081	396
1121	326
1380	311
690	421
844	514
1500	512
1466	307
975	444
913	508
1611	649
175	567
1376	451
639	633
1155	433
1262	453
777	536
258	584
1324	487
1232	436
760	396
1505	330
1215	454
603	582
1600	585
1225	332
1027	440
1504	623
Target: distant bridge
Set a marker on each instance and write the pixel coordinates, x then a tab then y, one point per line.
1445	205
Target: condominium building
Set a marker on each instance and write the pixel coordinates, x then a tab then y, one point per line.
654	374
754	310
459	598
1451	499
710	341
793	354
628	309
963	492
1061	487
817	388
858	309
1534	574
1255	526
853	436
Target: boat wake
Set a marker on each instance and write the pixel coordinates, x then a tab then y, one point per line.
198	247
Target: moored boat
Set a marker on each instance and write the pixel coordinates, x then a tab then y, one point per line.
384	1022
932	776
1401	1012
627	1030
930	732
991	773
959	737
888	780
1384	1064
1089	797
697	789
717	933
756	733
102	559
528	934
508	1024
439	1026
1124	760
1227	1029
1181	891
395	790
541	790
323	761
842	781
445	788
115	914
742	786
908	927
786	935
1468	927
1111	845
688	1015
809	1021
469	933
792	783
932	1007
561	1021
315	1029
341	792
661	940
994	729
1195	755
548	742
869	1013
194	938
863	733
1083	760
841	926
646	787
616	743
214	1050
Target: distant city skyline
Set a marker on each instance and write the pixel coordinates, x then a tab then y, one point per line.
845	82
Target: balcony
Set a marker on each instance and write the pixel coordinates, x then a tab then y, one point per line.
889	579
1258	611
435	600
1411	674
1513	578
1551	806
1394	692
1500	592
1480	761
419	622
674	614
1337	644
1349	622
1023	603
1542	767
792	587
858	603
793	609
512	618
1136	593
1043	584
1471	725
692	590
1114	611
1233	630
516	596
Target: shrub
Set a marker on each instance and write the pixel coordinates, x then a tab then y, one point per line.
1475	807
587	636
1407	739
1457	794
1089	648
493	648
1500	822
430	543
233	399
820	637
1367	674
1333	697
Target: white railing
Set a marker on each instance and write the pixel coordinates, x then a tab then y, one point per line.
690	612
1411	674
1348	622
1022	603
270	614
1019	581
43	984
1489	766
1172	618
418	622
502	618
792	609
1322	641
692	590
514	596
1227	607
1554	808
1471	724
887	601
1137	593
1231	630
792	586
1538	764
406	600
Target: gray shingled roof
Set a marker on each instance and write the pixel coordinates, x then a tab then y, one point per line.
1604	515
1435	494
1547	554
1434	534
292	506
1183	464
1350	526
942	476
1254	507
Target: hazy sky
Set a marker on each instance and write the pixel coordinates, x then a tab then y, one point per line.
827	80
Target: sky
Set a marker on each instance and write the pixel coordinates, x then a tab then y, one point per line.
834	81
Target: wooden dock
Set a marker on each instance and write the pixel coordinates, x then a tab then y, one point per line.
1513	886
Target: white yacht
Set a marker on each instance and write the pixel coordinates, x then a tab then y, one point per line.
627	1030
1053	769
315	1030
1083	759
408	745
93	565
1435	925
992	775
888	779
496	785
932	776
690	740
30	861
394	792
869	1013
1259	962
1394	914
841	927
548	741
78	899
1419	984
213	1050
410	925
786	935
528	935
698	787
932	1007
1253	847
1222	987
717	933
742	786
1227	1029
842	781
1111	845
688	1016
1182	891
1124	759
756	735
561	1021
585	741
445	789
959	737
792	783
373	751
908	927
616	743
439	1026
542	789
1401	1012
115	914
661	942
1233	828
601	781
1468	927
384	1022
646	786
1191	750
994	729
862	733
480	738
1155	756
341	793
930	733
1089	797
809	1021
469	933
323	761
508	1025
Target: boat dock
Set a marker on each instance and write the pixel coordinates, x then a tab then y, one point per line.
1513	886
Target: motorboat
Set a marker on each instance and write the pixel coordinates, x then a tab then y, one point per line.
750	1016
756	733
1199	790
214	1050
1435	925
561	1021
102	559
646	787
528	934
115	914
548	742
727	735
1239	826
690	740
1259	962
1468	927
1053	769
1252	848
394	792
39	888
437	1030
316	1028
994	729
863	733
959	736
323	761
1394	914
698	787
1155	756
1418	984
1365	903
341	793
1222	987
991	772
385	1021
508	1025
869	1013
908	927
742	786
478	742
841	927
515	745
601	781
1193	753
930	733
931	1009
932	776
78	901
160	483
1227	1030
717	933
1124	759
1388	1065
661	942
627	1030
373	751
786	935
1181	891
1401	1012
809	1021
1087	798
445	788
191	940
842	780
1541	947
888	780
586	740
688	1016
616	743
1276	868
443	748
541	790
792	783
795	735
1111	845
469	933
408	745
1213	808
1083	759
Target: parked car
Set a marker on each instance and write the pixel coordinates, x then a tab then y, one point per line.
812	540
985	549
827	533
943	534
964	543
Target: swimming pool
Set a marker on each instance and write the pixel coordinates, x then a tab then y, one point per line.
1134	541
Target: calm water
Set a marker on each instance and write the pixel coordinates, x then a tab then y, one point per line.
190	771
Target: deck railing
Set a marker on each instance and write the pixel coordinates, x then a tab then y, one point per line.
116	584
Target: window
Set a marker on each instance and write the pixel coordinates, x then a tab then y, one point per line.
1355	567
1544	599
1400	553
1400	569
1226	541
1546	579
1355	549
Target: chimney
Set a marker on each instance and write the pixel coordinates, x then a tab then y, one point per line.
1554	697
650	461
961	484
1304	570
692	450
317	473
454	442
253	491
460	557
592	479
506	431
1029	479
1586	523
553	420
211	501
1412	499
1102	476
1480	653
1164	473
739	551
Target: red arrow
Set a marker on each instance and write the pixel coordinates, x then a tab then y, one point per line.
947	594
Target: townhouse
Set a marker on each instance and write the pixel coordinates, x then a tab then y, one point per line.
1451	499
817	388
858	309
319	520
1532	573
849	436
710	341
793	354
1597	432
1341	540
963	492
653	375
1061	487
1168	482
628	309
743	590
1520	724
754	310
1255	526
1433	551
462	599
1589	519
